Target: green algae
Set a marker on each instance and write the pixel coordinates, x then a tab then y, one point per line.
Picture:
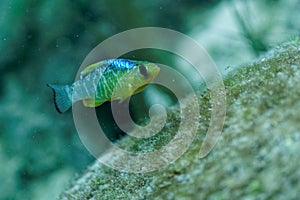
257	156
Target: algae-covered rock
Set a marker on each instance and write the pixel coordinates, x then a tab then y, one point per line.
257	156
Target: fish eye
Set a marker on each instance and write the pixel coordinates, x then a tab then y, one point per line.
143	70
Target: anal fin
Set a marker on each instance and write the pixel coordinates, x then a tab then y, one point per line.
91	103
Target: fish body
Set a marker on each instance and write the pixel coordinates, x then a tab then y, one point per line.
108	80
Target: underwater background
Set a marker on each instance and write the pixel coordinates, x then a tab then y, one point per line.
46	41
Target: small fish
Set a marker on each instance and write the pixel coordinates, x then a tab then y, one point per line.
107	80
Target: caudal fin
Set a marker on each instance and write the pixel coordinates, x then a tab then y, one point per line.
62	100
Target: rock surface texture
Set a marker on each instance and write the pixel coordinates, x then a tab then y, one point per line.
256	157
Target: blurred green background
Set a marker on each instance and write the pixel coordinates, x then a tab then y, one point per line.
46	41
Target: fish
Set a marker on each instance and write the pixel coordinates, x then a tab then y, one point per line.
107	80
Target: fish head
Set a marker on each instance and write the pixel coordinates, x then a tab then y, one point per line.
151	70
136	79
144	73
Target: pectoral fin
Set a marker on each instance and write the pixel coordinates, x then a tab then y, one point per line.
122	97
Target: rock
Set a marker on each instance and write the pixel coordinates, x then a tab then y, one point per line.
256	157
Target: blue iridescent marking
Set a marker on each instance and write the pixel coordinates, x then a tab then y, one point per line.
120	64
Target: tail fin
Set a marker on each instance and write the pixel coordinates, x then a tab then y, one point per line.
62	98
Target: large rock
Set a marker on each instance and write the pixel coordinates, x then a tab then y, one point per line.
257	156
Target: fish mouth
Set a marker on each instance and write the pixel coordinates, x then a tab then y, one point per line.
155	70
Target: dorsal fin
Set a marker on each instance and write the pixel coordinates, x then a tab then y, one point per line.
92	67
